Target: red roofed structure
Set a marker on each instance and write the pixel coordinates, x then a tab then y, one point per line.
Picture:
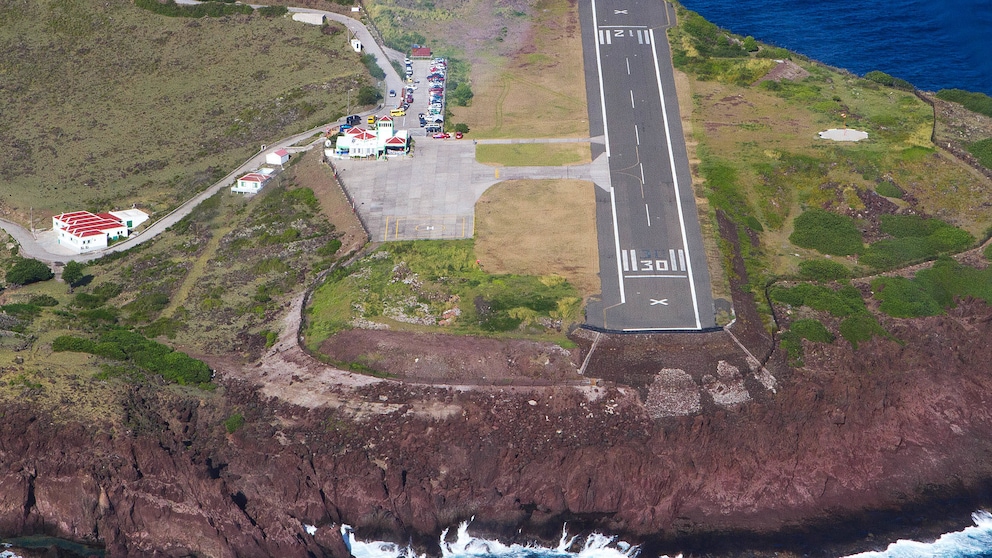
420	52
83	231
250	183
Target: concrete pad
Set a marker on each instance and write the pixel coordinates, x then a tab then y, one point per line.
846	134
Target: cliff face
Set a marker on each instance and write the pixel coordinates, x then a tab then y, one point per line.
870	429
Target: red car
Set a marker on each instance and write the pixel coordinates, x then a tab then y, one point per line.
458	135
440	135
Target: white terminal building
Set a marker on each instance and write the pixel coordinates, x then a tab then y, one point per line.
363	142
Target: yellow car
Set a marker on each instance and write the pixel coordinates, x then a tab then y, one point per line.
397	112
371	119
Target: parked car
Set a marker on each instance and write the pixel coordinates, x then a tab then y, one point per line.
392	92
458	135
442	135
354	120
344	127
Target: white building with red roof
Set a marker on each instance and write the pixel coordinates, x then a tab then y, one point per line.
83	231
362	142
250	183
277	157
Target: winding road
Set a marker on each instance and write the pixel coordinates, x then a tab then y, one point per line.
31	247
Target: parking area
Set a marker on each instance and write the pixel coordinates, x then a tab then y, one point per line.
425	87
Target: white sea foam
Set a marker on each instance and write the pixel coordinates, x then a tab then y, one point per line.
971	541
465	545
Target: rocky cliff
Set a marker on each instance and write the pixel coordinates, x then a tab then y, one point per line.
897	421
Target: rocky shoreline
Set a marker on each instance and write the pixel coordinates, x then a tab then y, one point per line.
891	428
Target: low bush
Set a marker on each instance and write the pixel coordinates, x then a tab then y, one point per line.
982	150
904	298
810	329
975	102
330	248
206	9
889	190
128	346
827	232
272	11
845	301
43	300
373	67
26	271
234	423
859	328
823	271
915	239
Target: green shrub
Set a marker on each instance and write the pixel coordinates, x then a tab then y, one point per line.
74	344
860	328
26	271
461	127
880	78
845	301
750	44
827	232
206	9
330	248
94	315
810	329
823	271
21	310
234	423
373	67
975	102
461	95
903	298
368	95
43	300
982	150
272	11
916	239
889	190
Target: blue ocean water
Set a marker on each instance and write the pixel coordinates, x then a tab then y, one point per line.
933	45
971	542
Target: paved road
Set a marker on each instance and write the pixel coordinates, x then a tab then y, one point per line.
652	263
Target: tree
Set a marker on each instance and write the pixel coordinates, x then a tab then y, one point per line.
461	127
72	273
27	271
368	95
750	44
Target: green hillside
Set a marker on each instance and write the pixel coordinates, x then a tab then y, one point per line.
107	104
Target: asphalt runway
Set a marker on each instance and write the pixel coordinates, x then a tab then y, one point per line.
652	264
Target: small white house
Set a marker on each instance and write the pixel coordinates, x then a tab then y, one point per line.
312	19
357	45
250	183
277	157
83	231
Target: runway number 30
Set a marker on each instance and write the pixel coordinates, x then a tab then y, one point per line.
654	265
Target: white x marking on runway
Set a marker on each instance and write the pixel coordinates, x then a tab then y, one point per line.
663	302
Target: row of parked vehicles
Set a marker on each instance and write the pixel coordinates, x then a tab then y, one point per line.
434	121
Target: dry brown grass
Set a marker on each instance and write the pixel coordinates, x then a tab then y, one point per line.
311	173
534	154
540	91
540	227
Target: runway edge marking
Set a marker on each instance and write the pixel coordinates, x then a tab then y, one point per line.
675	179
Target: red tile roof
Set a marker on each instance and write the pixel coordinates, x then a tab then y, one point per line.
421	52
282	152
254	177
84	223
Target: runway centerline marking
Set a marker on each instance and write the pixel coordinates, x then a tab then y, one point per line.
628	66
678	197
648	212
637	135
632	105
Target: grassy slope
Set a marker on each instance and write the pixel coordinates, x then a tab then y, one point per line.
109	105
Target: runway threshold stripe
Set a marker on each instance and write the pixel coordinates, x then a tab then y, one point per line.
678	196
633	260
626	264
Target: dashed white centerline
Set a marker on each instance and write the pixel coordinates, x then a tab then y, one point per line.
632	99
628	66
642	173
648	212
637	135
